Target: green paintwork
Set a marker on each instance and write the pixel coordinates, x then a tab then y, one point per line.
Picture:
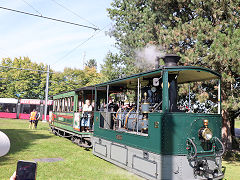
177	127
69	128
75	103
66	118
154	72
170	136
165	98
66	123
68	94
63	95
174	128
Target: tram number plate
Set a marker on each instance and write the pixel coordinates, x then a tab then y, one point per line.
156	124
119	137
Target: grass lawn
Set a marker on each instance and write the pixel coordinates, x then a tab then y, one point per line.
237	124
77	163
232	170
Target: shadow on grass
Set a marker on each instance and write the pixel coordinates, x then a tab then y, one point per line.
233	155
20	139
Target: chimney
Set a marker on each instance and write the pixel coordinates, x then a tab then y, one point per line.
171	60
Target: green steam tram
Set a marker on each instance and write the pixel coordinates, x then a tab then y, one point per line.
65	119
161	124
149	131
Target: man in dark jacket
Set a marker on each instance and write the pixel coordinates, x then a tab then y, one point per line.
37	118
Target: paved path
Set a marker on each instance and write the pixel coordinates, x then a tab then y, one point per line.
237	132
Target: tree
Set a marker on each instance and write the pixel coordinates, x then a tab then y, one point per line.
91	76
111	69
15	83
22	83
67	80
92	63
203	33
71	79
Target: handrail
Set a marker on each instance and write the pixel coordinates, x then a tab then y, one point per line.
212	151
223	148
126	119
195	148
159	104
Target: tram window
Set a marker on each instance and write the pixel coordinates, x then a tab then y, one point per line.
25	108
8	107
68	104
71	104
80	104
57	105
63	105
28	108
60	105
54	105
49	108
122	112
101	101
198	97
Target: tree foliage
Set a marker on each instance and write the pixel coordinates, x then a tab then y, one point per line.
21	83
203	33
92	63
15	83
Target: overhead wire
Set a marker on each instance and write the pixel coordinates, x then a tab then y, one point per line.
64	7
24	69
32	7
95	29
76	47
49	18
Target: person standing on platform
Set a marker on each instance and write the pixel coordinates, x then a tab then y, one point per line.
32	119
87	111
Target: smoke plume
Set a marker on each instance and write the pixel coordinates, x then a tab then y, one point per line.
146	57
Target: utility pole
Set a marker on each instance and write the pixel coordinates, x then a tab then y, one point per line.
46	95
84	56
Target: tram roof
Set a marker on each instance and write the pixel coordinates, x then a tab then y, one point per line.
9	100
72	92
185	74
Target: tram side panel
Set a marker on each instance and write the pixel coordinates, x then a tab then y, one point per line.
28	105
8	108
164	152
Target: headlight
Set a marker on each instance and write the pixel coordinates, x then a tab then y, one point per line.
207	134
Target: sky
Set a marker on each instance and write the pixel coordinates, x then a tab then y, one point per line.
54	43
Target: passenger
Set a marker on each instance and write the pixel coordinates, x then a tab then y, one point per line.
87	111
32	119
112	107
37	119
